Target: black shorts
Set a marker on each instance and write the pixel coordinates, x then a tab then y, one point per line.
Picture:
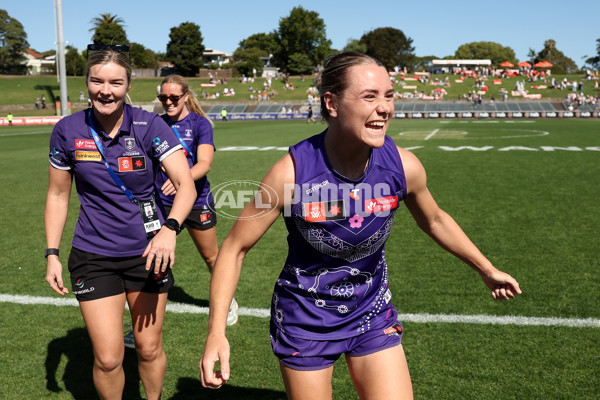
94	276
201	218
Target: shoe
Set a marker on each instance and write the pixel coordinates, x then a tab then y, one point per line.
232	315
129	340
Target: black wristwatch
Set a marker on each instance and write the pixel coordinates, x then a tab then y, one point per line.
173	225
51	252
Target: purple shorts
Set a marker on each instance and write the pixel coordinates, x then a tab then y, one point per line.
312	355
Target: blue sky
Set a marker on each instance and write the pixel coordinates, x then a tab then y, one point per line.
437	27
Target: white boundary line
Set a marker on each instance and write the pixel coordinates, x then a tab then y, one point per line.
432	134
419	318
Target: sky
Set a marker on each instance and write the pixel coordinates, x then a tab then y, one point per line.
437	28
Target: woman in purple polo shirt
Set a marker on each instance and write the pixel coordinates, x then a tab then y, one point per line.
123	248
194	129
338	192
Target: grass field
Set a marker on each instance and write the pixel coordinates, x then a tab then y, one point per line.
25	89
525	191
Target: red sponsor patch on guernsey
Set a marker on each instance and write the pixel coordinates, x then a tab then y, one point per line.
85	144
324	211
381	204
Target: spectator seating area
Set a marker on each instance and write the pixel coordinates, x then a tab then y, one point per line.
231	108
460	107
589	107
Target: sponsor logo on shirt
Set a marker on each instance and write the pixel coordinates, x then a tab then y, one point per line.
88	156
162	147
324	211
132	163
85	144
317	186
140	122
381	204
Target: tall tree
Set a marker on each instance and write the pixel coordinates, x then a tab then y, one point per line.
390	46
299	64
75	62
185	48
266	42
486	51
355	45
13	43
595	60
108	29
301	32
142	57
562	63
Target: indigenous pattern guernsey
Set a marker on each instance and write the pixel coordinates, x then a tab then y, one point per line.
335	281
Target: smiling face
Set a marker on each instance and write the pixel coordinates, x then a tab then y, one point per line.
107	87
364	109
176	110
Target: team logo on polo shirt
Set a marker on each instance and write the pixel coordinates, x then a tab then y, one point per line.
130	143
324	211
127	164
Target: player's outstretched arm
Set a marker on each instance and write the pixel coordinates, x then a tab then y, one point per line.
253	222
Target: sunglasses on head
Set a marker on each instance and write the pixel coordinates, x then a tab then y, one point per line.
173	98
95	47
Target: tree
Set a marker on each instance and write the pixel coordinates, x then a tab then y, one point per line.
75	62
355	45
299	64
142	57
486	51
301	32
595	61
266	42
13	43
185	48
424	62
108	29
249	59
562	63
390	46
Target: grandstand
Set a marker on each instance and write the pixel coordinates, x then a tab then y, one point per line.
420	109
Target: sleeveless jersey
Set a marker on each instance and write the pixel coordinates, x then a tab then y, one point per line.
335	280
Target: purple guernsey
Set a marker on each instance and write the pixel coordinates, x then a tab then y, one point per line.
109	223
335	280
194	131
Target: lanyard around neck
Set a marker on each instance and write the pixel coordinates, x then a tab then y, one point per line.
185	146
111	172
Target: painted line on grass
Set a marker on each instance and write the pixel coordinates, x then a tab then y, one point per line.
432	134
181	308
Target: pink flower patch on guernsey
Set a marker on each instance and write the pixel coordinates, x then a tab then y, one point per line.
356	221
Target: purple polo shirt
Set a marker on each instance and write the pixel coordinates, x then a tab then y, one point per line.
194	130
334	284
109	223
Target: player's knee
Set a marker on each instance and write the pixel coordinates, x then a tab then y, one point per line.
148	350
108	362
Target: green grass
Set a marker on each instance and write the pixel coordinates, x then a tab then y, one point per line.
533	213
25	89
